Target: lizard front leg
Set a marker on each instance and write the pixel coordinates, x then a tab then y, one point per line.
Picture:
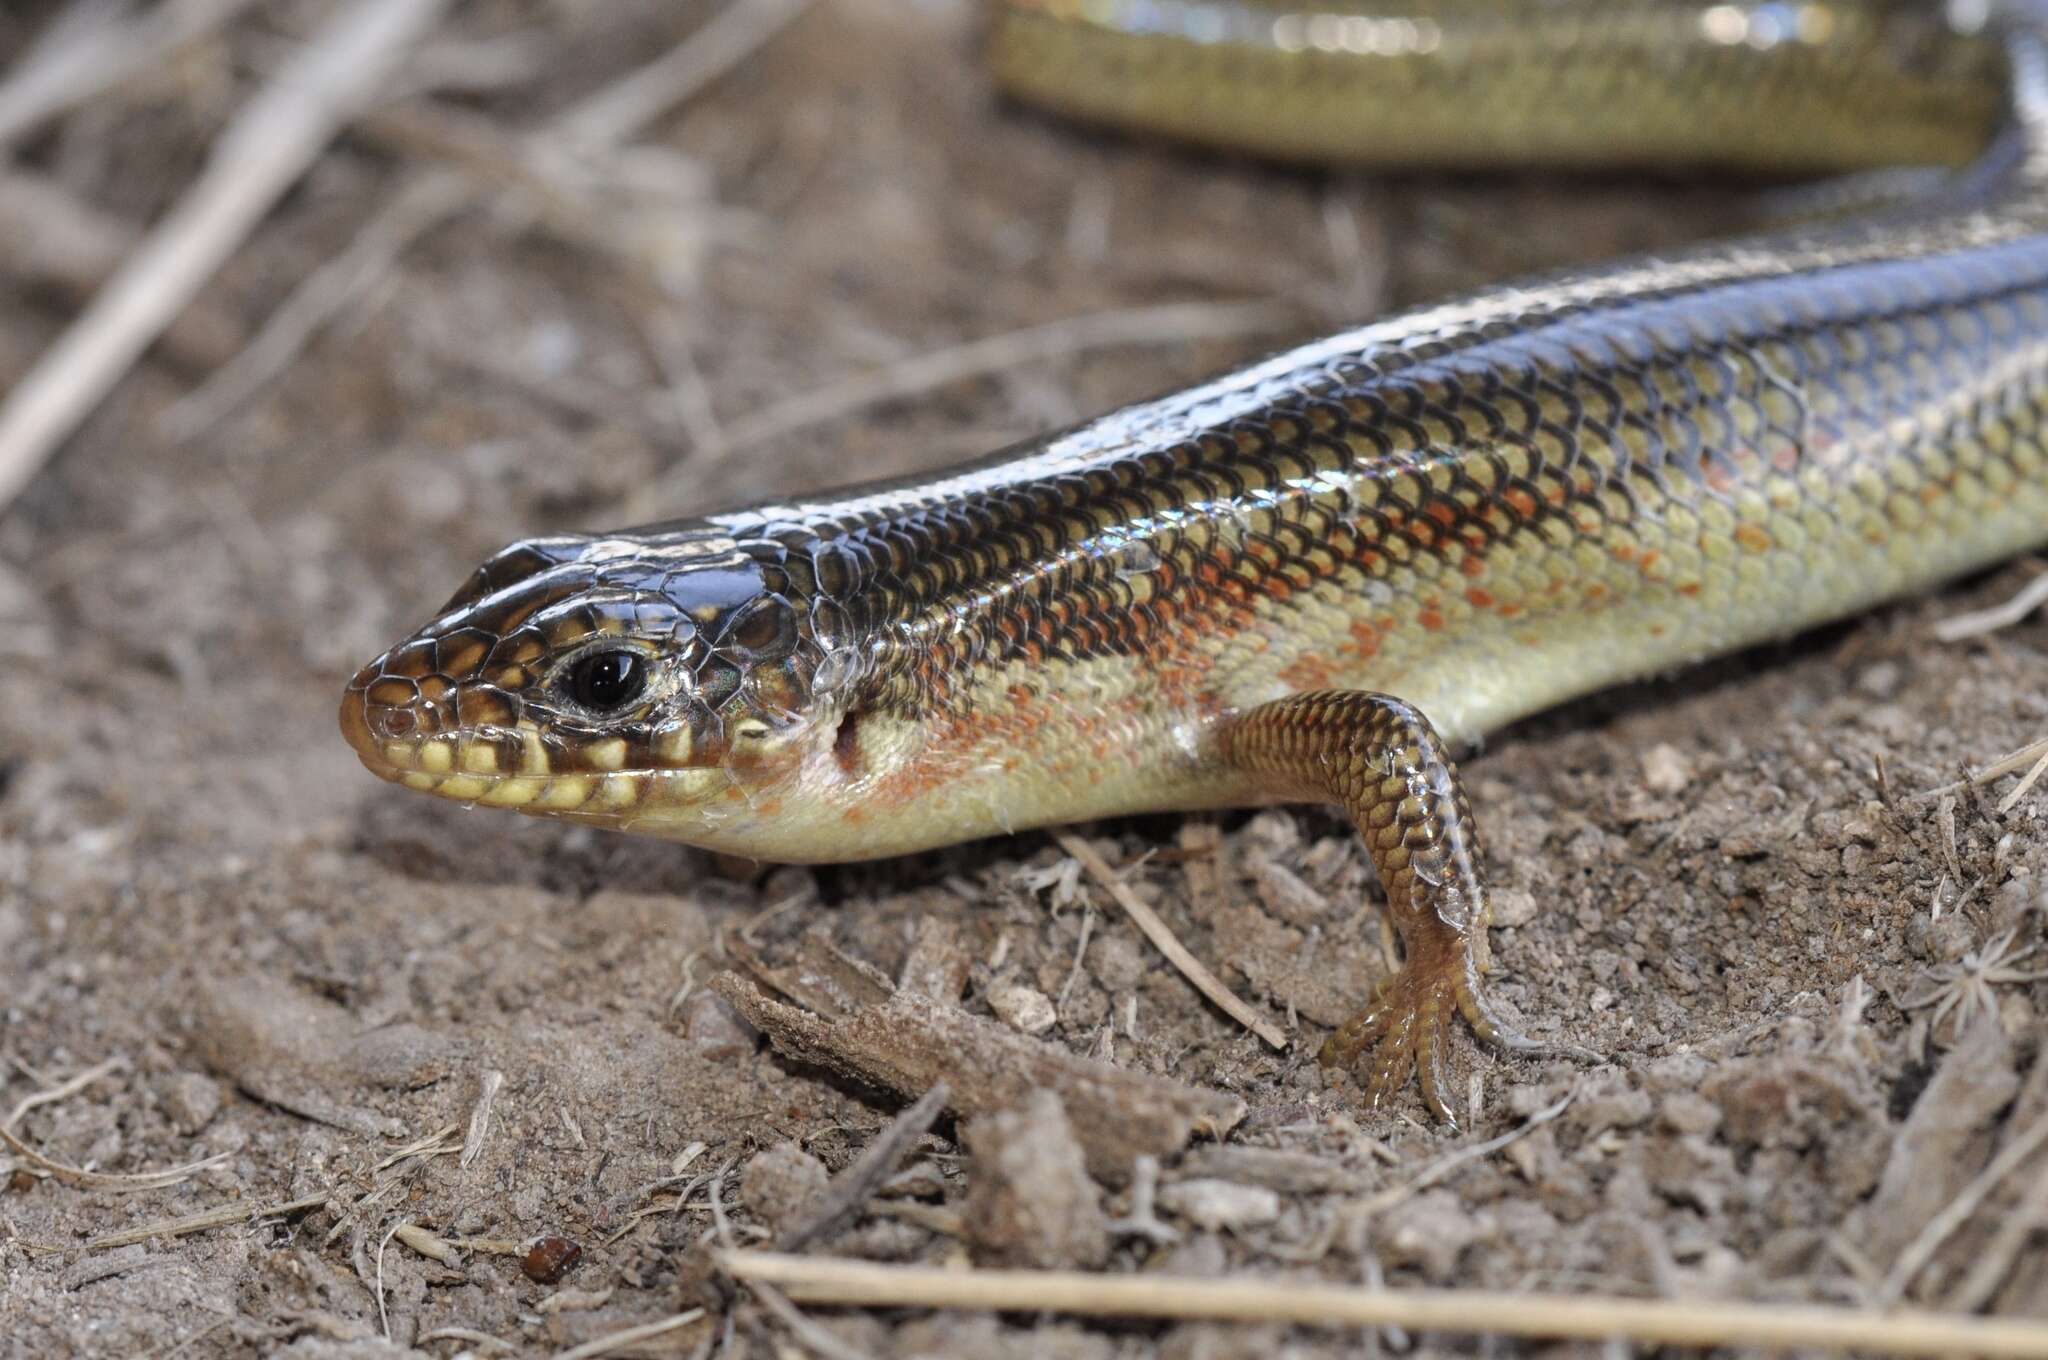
1380	760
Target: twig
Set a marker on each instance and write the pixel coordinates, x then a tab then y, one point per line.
383	1317
1993	1263
1718	1322
471	1335
430	197
480	1117
426	1243
630	1336
2030	597
268	146
58	241
426	200
77	60
78	1178
2031	778
1171	323
1168	944
1445	1165
877	1162
1957	1212
813	1336
200	1222
623	108
36	1099
1997	769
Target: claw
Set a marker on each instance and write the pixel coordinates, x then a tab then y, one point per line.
1406	1031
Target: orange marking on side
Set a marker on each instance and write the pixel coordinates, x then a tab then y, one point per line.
1479	598
1752	538
1509	611
1689	588
1309	672
1431	620
1472	566
1623	553
1365	639
1520	501
1441	513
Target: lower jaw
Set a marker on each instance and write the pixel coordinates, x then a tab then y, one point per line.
613	794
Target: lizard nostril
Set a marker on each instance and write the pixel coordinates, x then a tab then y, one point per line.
394	722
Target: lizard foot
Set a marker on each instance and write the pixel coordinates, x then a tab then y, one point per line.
1406	1030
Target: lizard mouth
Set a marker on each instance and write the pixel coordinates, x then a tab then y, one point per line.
515	768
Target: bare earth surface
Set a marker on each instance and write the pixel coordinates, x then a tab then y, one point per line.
1813	981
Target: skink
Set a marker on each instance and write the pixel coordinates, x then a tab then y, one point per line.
1311	578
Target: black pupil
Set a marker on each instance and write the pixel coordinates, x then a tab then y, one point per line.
608	679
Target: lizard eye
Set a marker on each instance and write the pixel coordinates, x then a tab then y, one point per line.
604	681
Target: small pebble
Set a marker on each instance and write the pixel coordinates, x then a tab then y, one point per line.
781	1184
548	1258
1025	1009
714	1028
1665	769
1030	1201
1220	1205
191	1100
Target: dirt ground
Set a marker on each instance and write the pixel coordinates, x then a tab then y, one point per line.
1815	977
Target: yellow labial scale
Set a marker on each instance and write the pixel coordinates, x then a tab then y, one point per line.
618	791
533	755
609	754
516	791
399	754
422	782
566	791
672	744
478	757
464	788
437	757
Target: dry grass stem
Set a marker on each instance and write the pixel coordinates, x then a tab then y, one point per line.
1445	1165
623	108
474	1337
2025	601
629	1336
2027	782
1958	1211
37	1099
426	200
1991	1266
78	1178
275	137
1168	944
434	1144
201	1222
429	197
1172	323
813	1337
1997	769
58	241
85	53
851	1188
1710	1323
426	1243
480	1117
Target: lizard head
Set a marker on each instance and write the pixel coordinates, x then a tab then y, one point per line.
675	682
